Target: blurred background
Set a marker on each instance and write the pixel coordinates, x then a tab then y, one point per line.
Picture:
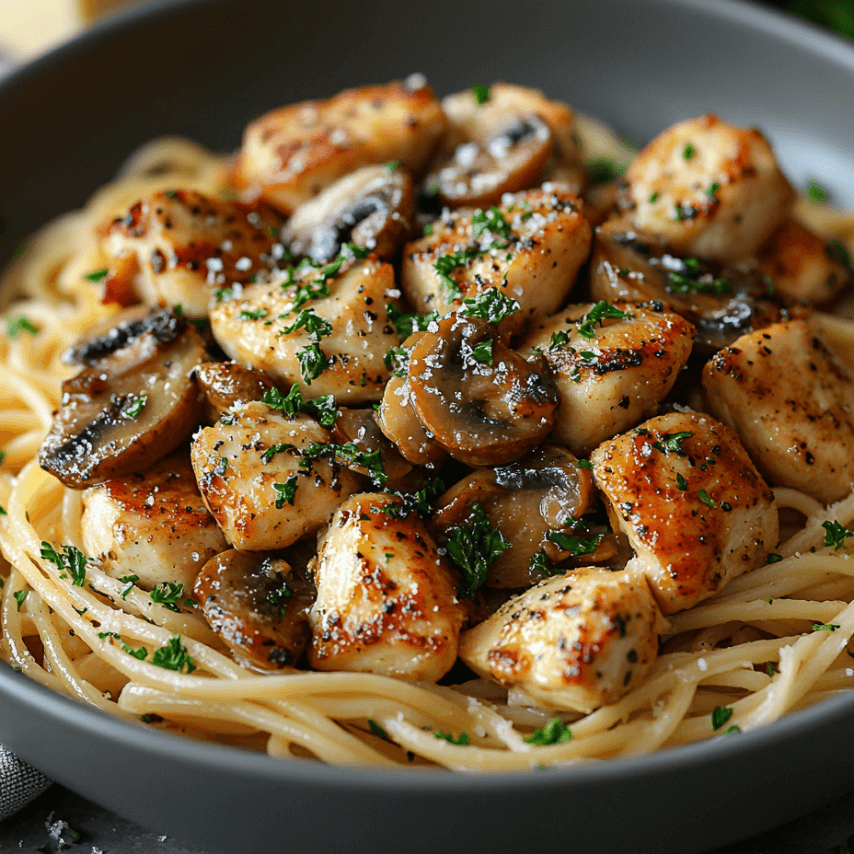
30	27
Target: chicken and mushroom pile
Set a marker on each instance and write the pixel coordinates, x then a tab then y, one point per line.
410	393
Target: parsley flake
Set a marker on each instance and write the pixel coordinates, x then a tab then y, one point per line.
168	594
135	408
407	324
491	220
825	627
312	362
20	595
681	483
97	275
720	716
316	326
704	497
286	492
672	442
473	548
173	656
376	729
604	169
70	560
575	545
491	305
480	92
554	732
462	739
16	325
482	352
835	534
816	192
597	314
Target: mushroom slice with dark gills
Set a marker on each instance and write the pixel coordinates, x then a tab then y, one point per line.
398	422
373	207
792	402
325	327
225	384
696	511
258	605
289	155
132	403
503	144
386	597
152	524
572	643
709	189
531	247
179	247
721	302
542	493
480	401
610	372
258	477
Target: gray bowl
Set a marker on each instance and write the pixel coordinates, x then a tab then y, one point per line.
204	68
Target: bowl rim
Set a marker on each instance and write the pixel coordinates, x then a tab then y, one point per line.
214	758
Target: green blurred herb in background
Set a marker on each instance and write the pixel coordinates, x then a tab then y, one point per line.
838	15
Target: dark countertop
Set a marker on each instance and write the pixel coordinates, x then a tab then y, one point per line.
826	831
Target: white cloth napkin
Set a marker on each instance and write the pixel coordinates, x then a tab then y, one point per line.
19	783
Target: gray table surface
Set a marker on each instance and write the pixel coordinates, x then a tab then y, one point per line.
827	831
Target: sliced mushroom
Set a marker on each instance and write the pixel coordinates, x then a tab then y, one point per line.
722	303
526	501
373	207
501	145
258	606
291	154
479	400
225	384
132	404
357	426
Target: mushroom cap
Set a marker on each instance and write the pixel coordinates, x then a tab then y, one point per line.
482	413
224	384
133	403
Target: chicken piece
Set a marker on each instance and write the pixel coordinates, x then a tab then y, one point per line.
531	247
709	188
695	510
512	141
257	482
802	266
792	403
617	377
386	600
289	155
258	606
336	338
152	524
178	247
721	302
573	643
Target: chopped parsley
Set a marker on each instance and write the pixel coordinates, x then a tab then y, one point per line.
141	653
350	455
481	93
273	450
312	362
681	483
16	325
323	408
482	352
397	361
597	314
554	732
461	740
319	287
168	594
491	220
583	464
376	729
559	339
672	442
712	188
20	595
420	501
277	598
835	534
688	151
733	728
704	497
135	408
316	326
407	324
816	192
70	560
539	563
825	627
257	314
128	581
173	656
97	275
575	545
604	169
3	511
286	492
473	548
491	305
720	716
392	165
446	264
773	558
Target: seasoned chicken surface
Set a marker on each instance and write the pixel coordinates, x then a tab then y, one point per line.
531	247
255	480
179	247
611	373
290	154
386	598
332	343
709	188
151	524
792	402
575	642
697	513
